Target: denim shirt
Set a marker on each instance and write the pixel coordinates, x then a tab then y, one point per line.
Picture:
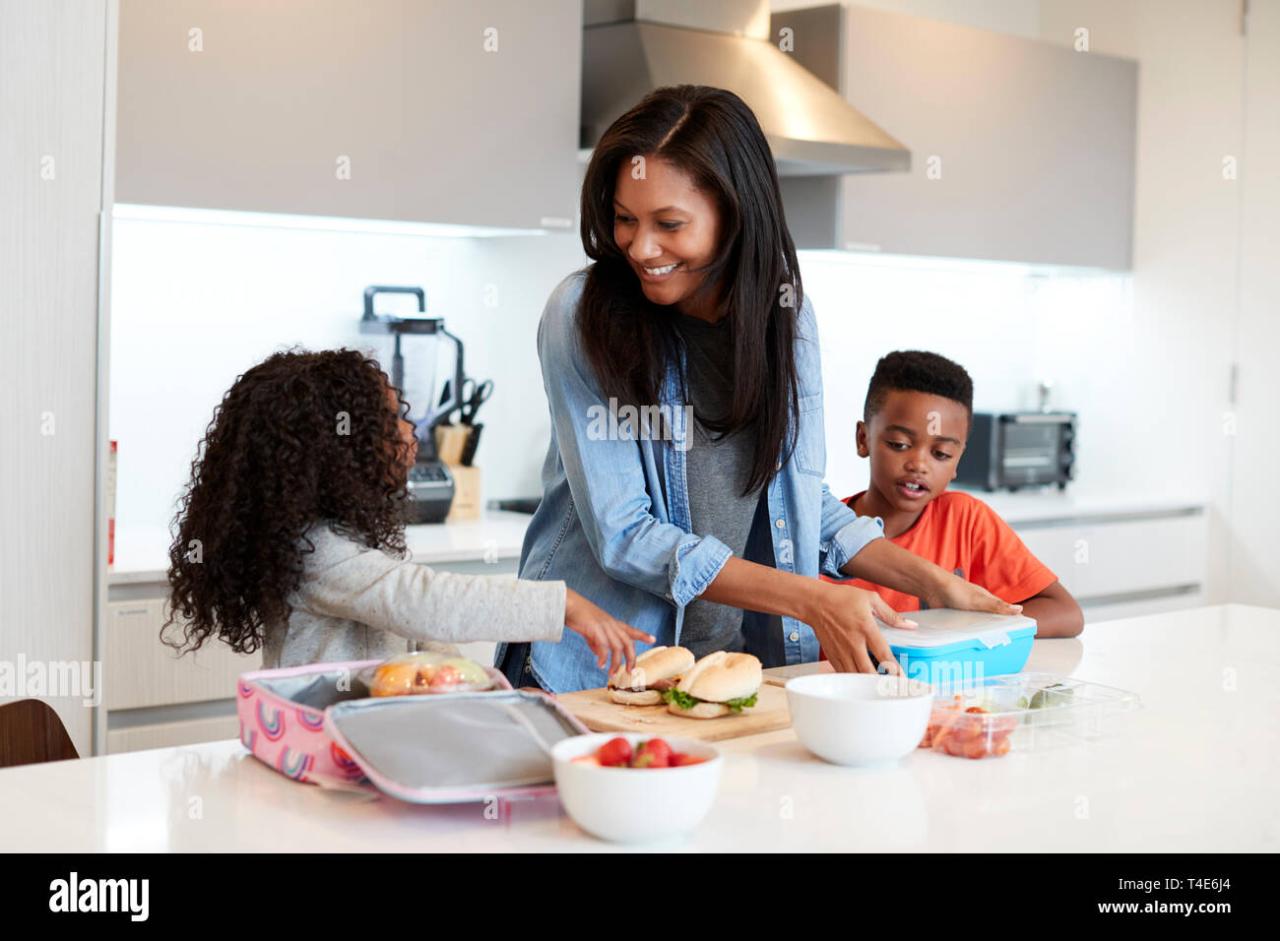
614	521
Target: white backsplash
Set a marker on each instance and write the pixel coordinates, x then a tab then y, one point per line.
194	305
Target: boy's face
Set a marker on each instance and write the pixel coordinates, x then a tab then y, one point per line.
914	441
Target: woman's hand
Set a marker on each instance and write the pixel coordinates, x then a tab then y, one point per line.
605	635
842	617
952	591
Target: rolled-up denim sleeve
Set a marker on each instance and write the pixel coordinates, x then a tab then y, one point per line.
606	478
844	534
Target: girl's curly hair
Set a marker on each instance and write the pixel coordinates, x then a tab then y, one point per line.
299	438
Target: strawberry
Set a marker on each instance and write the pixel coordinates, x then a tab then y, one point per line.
655	753
976	748
680	759
615	753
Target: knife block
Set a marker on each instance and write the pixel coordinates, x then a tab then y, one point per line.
450	441
466	494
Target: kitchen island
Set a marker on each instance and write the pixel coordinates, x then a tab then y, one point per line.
1194	770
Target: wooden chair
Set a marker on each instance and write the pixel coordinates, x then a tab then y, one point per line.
31	732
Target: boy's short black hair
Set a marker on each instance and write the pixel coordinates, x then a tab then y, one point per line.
918	371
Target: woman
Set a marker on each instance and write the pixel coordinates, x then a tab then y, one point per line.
683	484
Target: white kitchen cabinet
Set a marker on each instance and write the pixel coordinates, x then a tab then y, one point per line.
440	111
1021	150
171	734
141	672
1103	561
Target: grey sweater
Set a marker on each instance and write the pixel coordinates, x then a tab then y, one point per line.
356	603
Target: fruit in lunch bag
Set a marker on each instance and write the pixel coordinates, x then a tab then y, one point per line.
428	672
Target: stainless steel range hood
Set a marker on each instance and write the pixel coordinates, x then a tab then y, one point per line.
631	47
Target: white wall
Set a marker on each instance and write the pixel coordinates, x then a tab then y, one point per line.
195	304
1009	327
1186	238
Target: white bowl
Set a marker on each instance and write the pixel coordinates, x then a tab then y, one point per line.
859	718
635	805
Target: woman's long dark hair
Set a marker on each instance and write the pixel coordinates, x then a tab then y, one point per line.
301	437
712	136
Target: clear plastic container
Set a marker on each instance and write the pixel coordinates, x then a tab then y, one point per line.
1026	711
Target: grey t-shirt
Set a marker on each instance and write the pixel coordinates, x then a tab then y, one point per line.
717	468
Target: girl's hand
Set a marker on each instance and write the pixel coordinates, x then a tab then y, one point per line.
605	635
955	592
843	617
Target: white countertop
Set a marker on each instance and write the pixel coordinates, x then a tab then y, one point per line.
142	553
1051	505
1194	770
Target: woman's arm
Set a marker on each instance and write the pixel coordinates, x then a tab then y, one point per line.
885	563
1056	612
841	616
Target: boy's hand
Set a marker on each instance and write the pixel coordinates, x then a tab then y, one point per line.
955	592
605	635
843	617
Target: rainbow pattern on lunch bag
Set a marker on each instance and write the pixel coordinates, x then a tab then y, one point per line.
271	721
310	719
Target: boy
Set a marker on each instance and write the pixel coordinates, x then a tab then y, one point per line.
915	423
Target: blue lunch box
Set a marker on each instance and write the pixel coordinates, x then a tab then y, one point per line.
954	648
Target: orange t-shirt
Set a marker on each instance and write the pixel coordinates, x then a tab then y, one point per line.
964	535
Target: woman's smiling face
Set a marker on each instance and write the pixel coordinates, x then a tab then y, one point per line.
667	228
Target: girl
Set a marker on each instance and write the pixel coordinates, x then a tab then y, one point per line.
694	303
290	536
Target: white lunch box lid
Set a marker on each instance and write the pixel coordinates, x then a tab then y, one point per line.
939	627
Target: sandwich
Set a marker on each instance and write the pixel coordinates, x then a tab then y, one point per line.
719	684
657	669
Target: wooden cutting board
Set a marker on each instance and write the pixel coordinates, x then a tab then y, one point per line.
778	676
596	711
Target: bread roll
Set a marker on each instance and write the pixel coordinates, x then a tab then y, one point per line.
652	666
721	676
628	697
703	710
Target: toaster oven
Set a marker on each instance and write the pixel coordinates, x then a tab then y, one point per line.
1012	450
